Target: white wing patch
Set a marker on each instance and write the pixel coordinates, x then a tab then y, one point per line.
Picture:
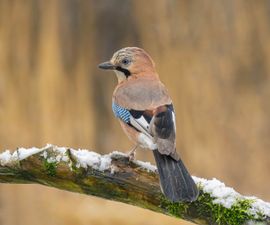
174	122
145	139
141	124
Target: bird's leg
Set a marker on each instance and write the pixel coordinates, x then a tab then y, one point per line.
131	154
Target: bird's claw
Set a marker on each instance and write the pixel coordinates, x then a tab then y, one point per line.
131	154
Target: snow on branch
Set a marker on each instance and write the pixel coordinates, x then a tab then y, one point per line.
114	177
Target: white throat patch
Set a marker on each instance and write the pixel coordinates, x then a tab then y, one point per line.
120	75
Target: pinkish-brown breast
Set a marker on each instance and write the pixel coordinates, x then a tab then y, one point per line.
142	93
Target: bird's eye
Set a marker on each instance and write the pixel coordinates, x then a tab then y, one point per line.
125	61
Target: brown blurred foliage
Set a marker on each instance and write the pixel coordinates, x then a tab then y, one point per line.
214	57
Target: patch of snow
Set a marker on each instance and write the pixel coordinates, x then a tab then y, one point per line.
44	154
105	162
5	158
146	165
223	195
51	160
227	196
259	206
60	154
116	153
65	158
61	150
86	158
23	153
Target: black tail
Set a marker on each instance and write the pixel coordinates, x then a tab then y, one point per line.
176	183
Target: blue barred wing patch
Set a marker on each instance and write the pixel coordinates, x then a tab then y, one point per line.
121	112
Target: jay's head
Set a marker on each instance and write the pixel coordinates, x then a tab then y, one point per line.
130	61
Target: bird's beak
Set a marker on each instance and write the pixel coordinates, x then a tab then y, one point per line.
107	66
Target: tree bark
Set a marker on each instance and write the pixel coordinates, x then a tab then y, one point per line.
130	182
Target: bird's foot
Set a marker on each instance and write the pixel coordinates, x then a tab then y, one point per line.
132	153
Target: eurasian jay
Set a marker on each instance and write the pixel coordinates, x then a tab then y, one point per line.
145	111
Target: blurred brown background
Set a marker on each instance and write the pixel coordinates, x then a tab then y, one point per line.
214	57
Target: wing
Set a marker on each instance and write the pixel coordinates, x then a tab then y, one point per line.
163	129
158	125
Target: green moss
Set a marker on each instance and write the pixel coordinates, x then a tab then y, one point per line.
236	215
177	209
50	168
206	210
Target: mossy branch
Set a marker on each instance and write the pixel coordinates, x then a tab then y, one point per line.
114	177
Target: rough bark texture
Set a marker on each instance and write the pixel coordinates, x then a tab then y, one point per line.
125	182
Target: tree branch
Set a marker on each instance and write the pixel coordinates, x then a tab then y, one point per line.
114	177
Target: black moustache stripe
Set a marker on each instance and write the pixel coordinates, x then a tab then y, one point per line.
125	71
